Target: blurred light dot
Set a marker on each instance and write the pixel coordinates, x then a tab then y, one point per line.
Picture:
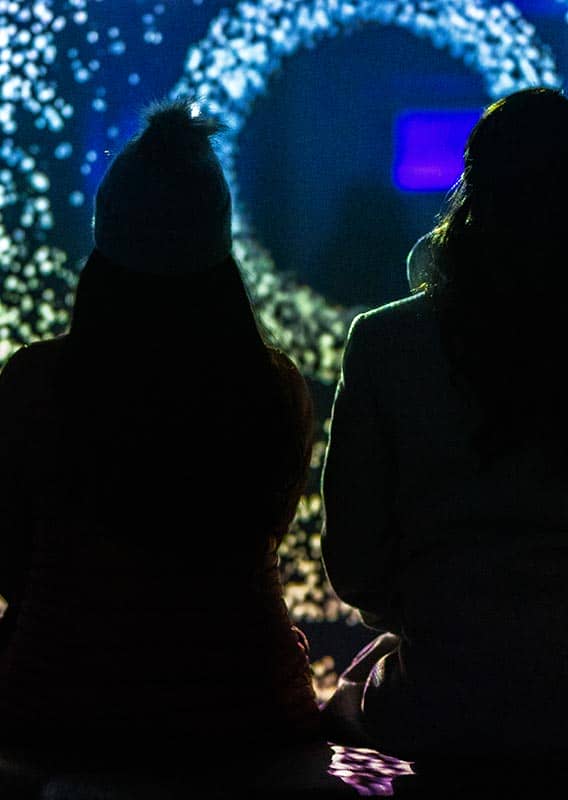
40	42
153	37
134	79
76	199
31	71
92	37
53	119
63	150
117	48
45	95
82	75
40	181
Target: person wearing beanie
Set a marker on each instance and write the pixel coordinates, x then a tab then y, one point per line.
164	205
153	459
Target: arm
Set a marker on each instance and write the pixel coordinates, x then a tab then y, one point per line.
298	442
14	533
359	537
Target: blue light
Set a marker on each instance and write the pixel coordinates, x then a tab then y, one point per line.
429	148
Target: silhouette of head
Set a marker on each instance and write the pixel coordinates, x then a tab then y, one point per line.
162	234
516	159
163	206
499	270
506	215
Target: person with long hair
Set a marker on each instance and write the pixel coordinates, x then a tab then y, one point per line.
152	462
445	481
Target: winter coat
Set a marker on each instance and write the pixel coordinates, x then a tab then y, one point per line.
468	566
150	604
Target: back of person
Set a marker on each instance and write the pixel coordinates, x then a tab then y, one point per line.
154	458
445	478
481	565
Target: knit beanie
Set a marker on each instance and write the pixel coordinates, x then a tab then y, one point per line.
164	206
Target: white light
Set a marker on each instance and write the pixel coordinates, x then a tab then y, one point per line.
58	24
39	181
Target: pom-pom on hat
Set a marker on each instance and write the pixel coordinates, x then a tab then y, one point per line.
164	205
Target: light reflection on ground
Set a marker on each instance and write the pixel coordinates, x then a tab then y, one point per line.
369	772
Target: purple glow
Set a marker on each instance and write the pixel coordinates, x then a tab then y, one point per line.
367	771
429	148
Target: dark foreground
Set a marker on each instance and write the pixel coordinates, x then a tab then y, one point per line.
216	771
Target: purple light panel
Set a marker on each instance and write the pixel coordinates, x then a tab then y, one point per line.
429	148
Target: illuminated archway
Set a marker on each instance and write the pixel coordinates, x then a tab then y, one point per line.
231	67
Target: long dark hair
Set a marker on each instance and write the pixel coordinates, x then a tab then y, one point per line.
203	313
159	367
499	271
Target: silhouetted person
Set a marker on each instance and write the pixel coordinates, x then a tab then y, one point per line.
152	460
445	483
